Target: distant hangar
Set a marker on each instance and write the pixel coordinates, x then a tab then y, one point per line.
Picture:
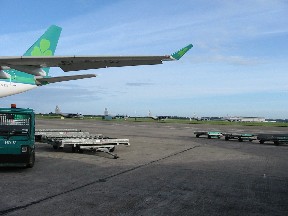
246	119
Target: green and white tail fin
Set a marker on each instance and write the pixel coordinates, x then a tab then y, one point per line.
46	44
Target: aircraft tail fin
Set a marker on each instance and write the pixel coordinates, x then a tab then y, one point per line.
46	44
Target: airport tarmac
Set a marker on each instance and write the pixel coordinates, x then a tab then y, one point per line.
165	171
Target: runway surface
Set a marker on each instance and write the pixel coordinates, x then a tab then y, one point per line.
165	171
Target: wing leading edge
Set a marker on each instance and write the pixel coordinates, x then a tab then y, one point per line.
75	63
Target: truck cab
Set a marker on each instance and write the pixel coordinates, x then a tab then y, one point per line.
17	141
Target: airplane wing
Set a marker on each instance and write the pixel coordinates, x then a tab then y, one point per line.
47	80
30	64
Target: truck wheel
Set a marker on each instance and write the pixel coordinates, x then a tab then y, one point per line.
112	149
226	138
197	135
78	149
55	147
240	140
209	137
73	149
276	143
31	160
261	141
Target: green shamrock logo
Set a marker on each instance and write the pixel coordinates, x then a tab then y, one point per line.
43	50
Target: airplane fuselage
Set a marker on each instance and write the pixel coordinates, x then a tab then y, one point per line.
8	88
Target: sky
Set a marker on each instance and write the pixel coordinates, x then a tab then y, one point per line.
237	66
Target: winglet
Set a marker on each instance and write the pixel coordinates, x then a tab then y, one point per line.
177	55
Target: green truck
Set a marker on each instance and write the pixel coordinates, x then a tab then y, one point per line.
17	141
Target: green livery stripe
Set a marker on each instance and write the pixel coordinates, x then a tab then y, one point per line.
177	55
19	77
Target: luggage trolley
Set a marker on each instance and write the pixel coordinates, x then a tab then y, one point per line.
276	138
239	137
209	134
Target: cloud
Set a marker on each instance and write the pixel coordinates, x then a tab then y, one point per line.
233	60
138	84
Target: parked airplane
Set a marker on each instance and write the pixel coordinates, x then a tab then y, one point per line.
22	73
158	118
68	115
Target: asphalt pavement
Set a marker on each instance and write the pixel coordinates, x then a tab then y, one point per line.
165	171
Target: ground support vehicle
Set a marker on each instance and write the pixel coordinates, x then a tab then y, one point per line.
209	134
80	141
276	138
17	144
240	137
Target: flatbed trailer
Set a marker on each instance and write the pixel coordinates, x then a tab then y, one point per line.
42	133
49	136
80	141
277	139
239	137
104	144
57	130
209	134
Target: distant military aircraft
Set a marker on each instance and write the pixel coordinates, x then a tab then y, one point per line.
68	115
158	118
22	73
72	115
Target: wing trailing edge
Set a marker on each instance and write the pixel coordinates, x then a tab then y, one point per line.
47	80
